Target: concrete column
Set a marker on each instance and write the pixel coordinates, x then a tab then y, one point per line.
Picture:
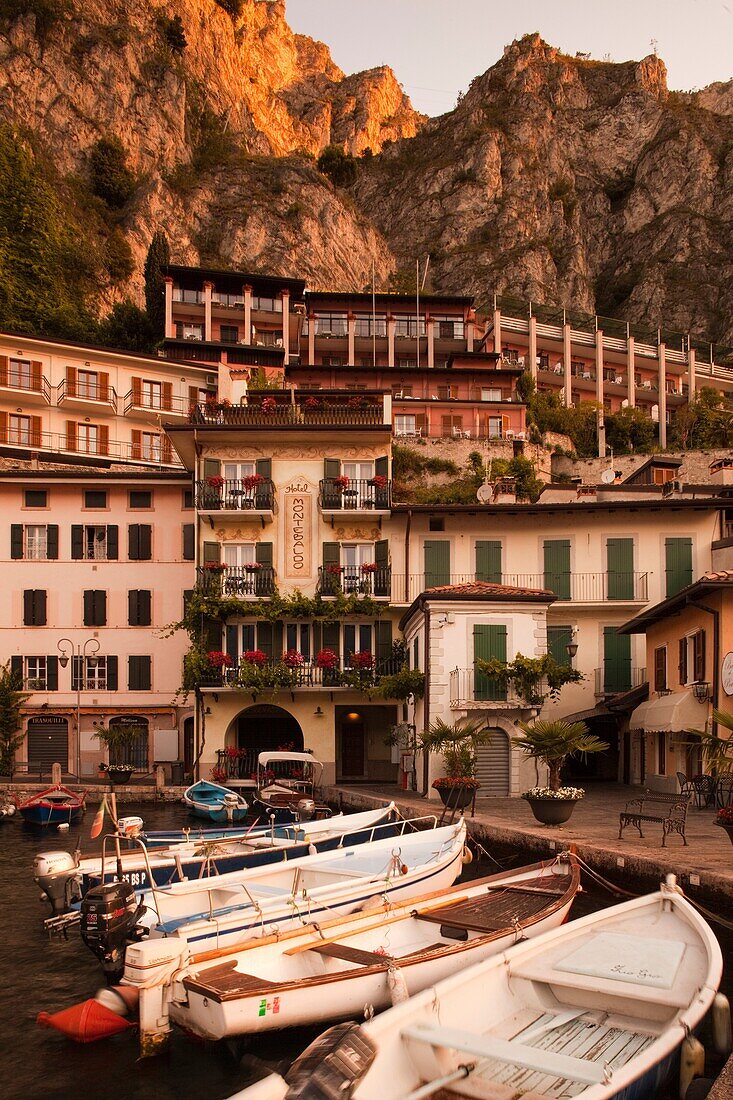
351	328
533	347
691	364
311	340
208	287
247	291
285	297
566	358
662	358
599	366
391	326
470	329
169	330
430	329
497	330
631	370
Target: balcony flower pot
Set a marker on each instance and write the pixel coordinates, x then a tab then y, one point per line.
456	793
724	818
553	807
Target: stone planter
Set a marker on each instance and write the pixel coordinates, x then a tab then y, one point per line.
728	826
457	798
552	811
119	775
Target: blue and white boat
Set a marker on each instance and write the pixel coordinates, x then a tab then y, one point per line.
595	1010
214	802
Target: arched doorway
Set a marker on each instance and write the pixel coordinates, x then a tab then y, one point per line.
135	751
266	728
493	765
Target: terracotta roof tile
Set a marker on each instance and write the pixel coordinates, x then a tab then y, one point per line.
720	576
484	589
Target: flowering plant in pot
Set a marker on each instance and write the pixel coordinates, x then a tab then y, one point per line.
215	481
457	743
552	743
327	659
255	657
118	739
341	482
293	659
364	660
219	659
369	567
379	481
251	481
724	818
252	567
269	405
334	570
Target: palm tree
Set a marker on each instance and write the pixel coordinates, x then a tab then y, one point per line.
552	742
458	743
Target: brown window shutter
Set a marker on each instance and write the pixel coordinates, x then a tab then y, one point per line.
3	370
103	386
137	391
36	430
699	658
3	427
71	381
505	424
446	425
137	444
166	450
193	395
421	421
70	435
660	669
36	375
167	396
103	439
682	665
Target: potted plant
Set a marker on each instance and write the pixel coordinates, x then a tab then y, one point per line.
552	743
724	818
255	657
341	482
457	743
118	740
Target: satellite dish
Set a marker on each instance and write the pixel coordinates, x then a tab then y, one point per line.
608	476
484	493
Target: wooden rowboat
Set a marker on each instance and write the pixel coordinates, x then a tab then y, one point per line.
316	976
214	802
597	1009
55	806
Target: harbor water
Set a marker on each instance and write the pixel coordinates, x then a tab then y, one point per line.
38	974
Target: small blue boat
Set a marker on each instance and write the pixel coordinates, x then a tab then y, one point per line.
55	806
215	803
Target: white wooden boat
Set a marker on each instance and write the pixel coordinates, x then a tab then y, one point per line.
596	1009
215	913
330	973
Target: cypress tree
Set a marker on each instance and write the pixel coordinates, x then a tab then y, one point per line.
12	698
156	261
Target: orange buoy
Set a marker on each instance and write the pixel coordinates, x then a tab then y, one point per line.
85	1022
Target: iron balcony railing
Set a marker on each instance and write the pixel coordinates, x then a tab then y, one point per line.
219	494
28	384
471	687
236	580
618	676
158	452
354	580
286	675
157	403
277	410
94	392
573	587
342	494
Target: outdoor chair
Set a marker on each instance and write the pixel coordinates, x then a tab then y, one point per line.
686	787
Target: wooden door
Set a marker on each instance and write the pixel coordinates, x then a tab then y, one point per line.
352	750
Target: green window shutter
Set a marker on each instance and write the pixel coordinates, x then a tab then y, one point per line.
16	668
488	561
144	606
211	467
437	563
381	466
263	466
317	638
112	542
112	677
263	554
212	635
263	579
265	638
138	673
89	607
100	607
616	660
488	642
620	569
558	638
16	540
28	607
232	644
52	541
678	561
331	636
382	575
189	542
331	467
331	556
39	610
212	552
132	607
383	642
557	567
77	541
682	662
52	673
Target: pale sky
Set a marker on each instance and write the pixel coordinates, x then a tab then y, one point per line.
437	46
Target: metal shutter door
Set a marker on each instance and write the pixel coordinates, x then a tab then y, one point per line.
48	745
493	766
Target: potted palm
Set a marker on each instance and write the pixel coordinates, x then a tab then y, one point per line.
118	740
552	743
457	743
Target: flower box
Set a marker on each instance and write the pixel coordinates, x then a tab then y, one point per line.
215	481
342	482
252	567
219	659
255	657
369	567
363	660
327	659
252	481
214	566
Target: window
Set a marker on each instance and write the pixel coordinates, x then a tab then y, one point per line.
495	425
93	542
20	374
138	673
557	567
39	542
333	361
298	638
407	362
36	498
331	324
698	655
139	542
189	331
231	301
94	674
36	542
151	447
620	569
20	430
488	560
356	638
407	327
353	557
189	542
95	607
436	523
95	498
238	471
368	326
543	361
402	391
491	395
188	498
229	334
135	752
87	439
267	305
511	355
661	754
239	554
141	498
451	426
660	668
87	384
34	607
35	673
358	471
447	393
139	602
404	425
616	661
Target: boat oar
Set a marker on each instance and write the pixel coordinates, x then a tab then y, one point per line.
460	1074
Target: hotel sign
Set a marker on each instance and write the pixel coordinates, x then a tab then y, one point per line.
298	529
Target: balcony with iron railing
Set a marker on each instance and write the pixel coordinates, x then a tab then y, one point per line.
158	453
572	587
359	580
80	394
252	580
253	494
35	387
359	672
469	687
616	677
355	495
282	409
156	406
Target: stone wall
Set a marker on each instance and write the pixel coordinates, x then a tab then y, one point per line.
695	469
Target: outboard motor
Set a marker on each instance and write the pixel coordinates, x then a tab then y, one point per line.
56	873
332	1065
130	826
109	920
306	808
231	802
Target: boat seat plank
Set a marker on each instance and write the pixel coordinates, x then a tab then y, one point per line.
492	912
517	1054
669	998
351	954
220	981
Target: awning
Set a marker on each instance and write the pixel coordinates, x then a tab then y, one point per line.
674	713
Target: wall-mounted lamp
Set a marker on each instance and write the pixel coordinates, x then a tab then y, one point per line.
572	647
207	710
318	713
701	691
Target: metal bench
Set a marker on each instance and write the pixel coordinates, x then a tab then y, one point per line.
667	810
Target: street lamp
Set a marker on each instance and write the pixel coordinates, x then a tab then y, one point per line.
81	653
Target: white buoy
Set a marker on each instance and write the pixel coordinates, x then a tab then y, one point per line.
63	827
721	1024
398	990
692	1062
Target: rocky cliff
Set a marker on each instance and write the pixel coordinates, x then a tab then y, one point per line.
574	182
